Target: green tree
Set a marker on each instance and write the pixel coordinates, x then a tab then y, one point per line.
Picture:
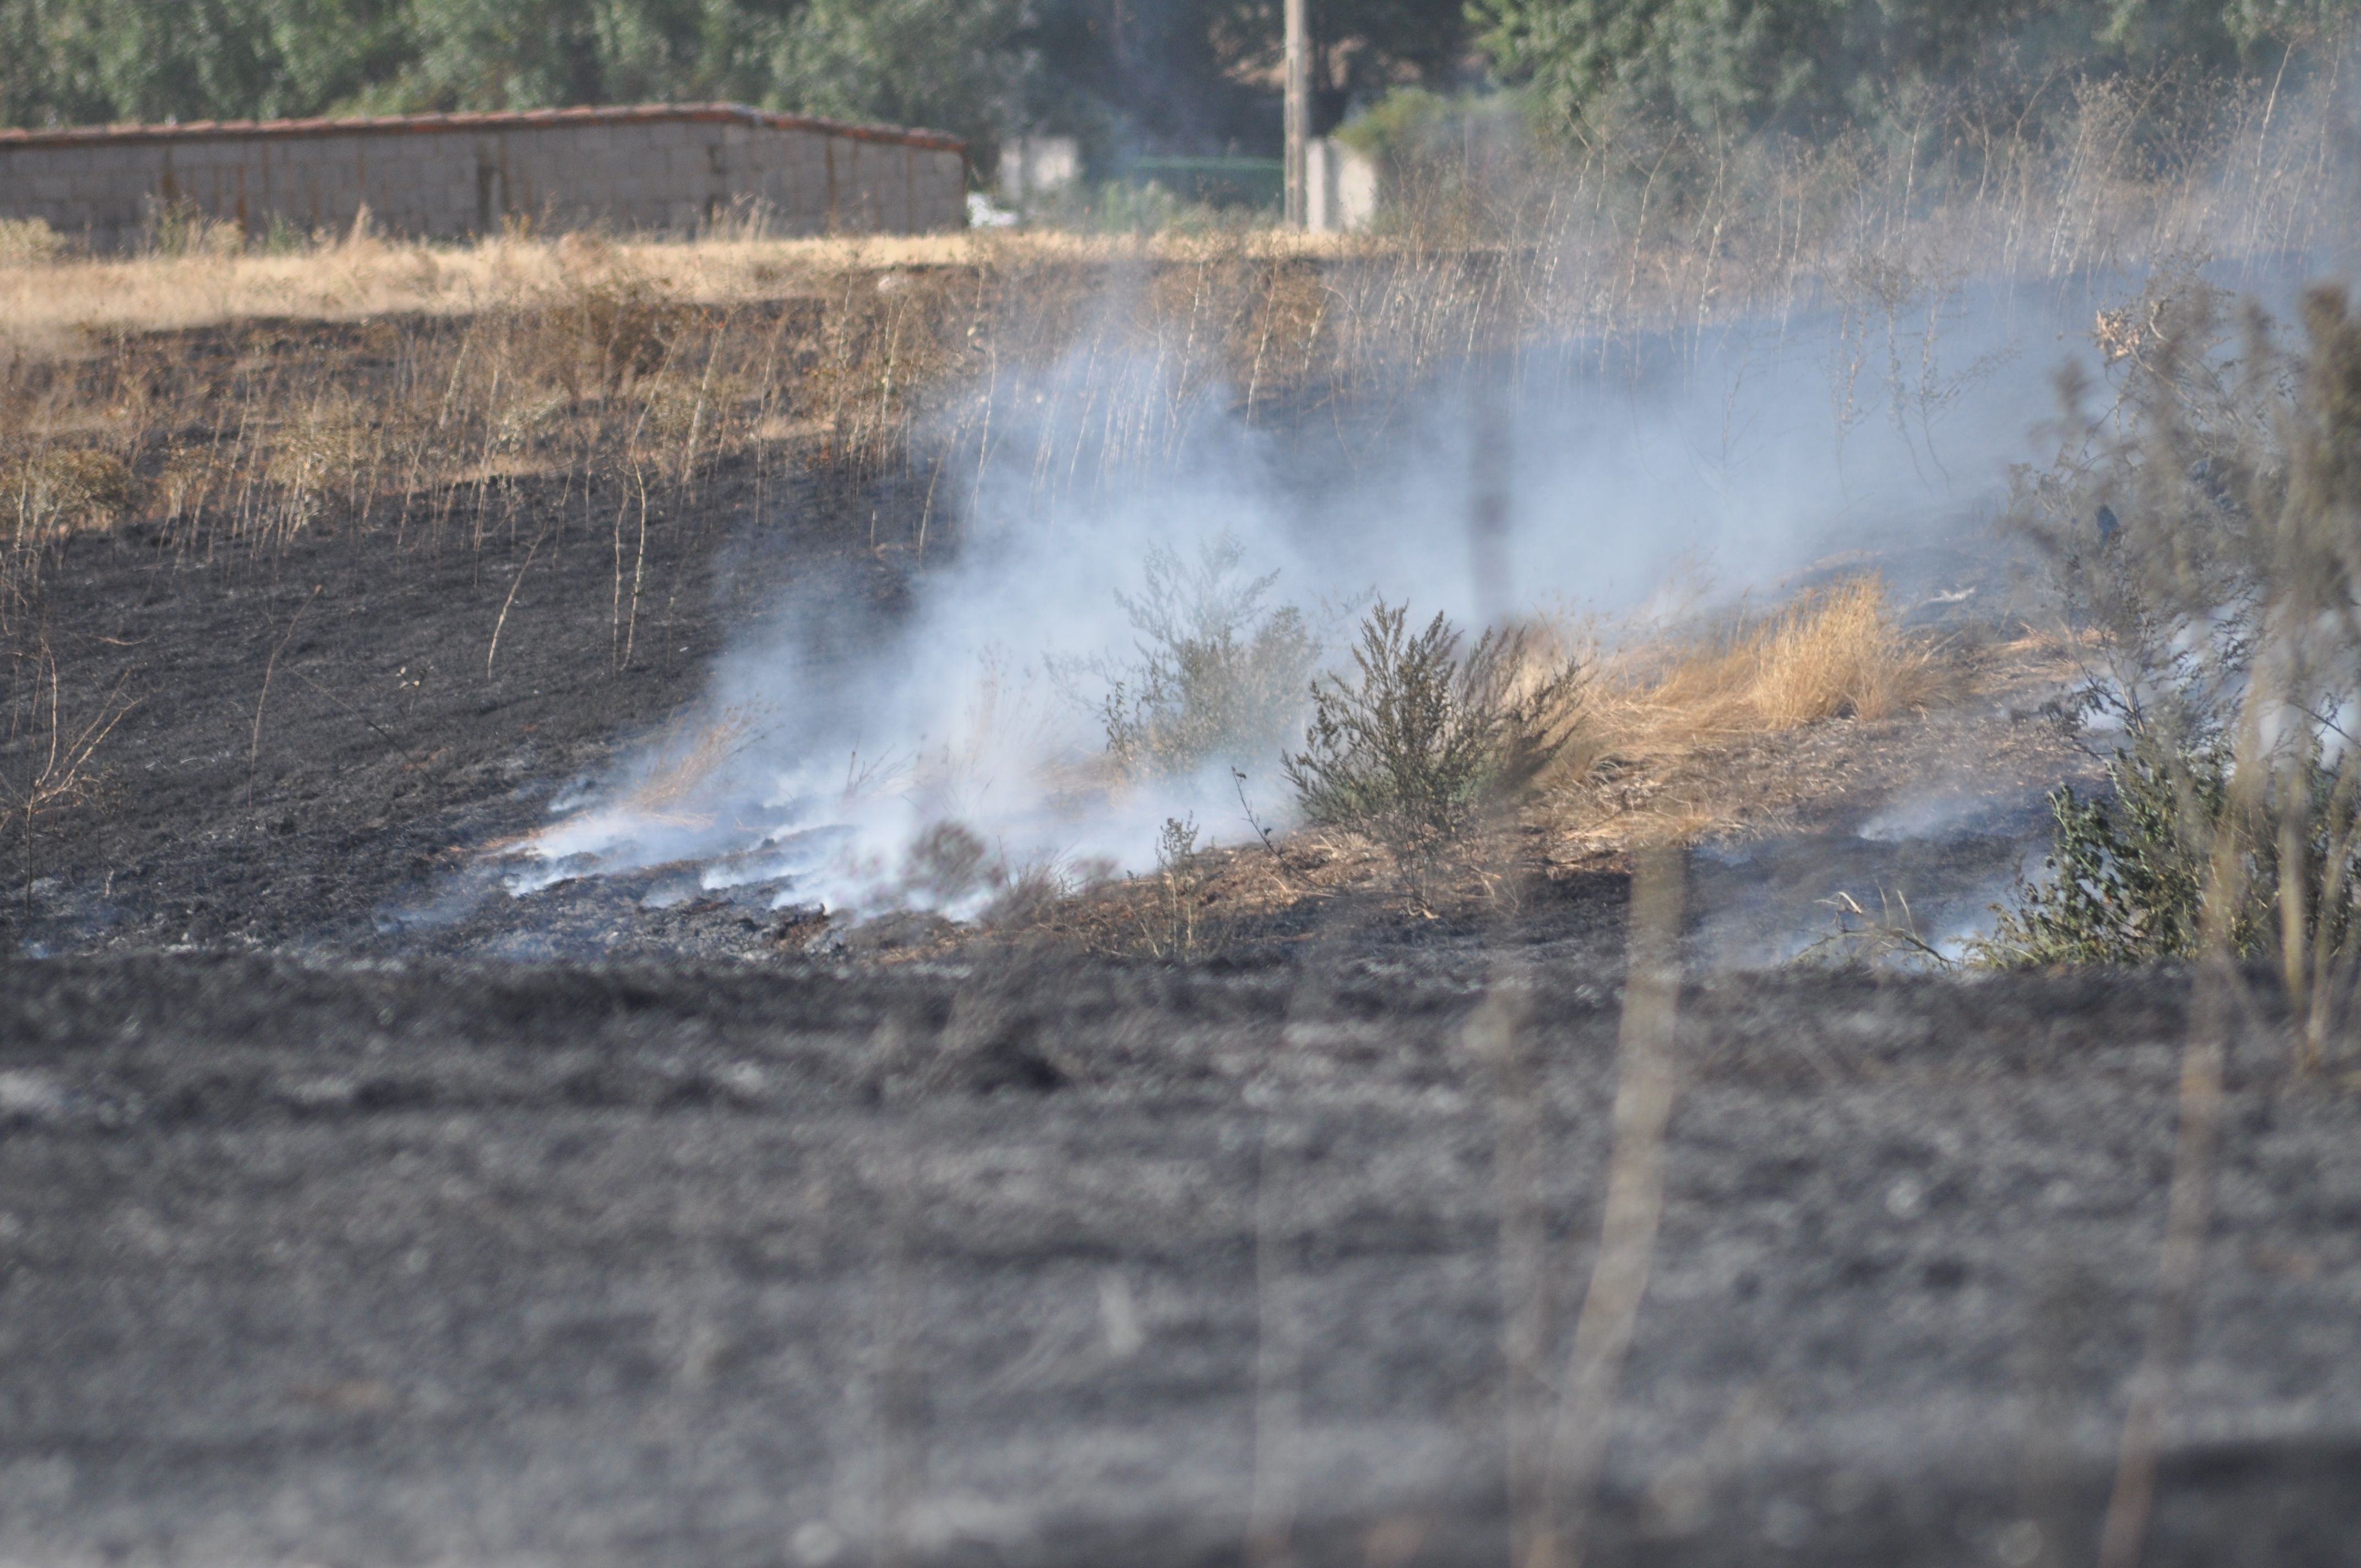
532	54
921	63
1809	65
1181	75
78	61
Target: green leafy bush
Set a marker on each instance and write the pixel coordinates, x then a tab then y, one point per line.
2129	872
1220	673
1804	65
29	242
2203	528
1421	741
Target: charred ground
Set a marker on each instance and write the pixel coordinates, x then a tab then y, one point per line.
1015	1263
316	737
355	1211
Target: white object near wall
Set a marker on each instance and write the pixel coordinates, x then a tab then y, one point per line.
1340	188
1039	166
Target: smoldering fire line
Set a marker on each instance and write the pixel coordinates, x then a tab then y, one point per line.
970	751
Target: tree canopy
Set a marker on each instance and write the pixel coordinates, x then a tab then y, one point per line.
1180	74
1169	75
1806	65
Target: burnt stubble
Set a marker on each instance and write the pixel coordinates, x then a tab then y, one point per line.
334	1229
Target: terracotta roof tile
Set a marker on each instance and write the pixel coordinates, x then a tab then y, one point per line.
402	125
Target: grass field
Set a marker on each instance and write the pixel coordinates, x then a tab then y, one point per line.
449	687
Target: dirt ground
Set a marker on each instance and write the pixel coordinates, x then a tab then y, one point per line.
352	1211
1112	1264
312	740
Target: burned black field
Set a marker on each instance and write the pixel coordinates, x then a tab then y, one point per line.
440	1262
356	1211
313	740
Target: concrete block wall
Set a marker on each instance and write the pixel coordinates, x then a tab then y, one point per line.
664	168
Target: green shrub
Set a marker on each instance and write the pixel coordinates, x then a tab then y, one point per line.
2129	871
1413	126
1220	672
1810	67
29	242
2203	531
1422	742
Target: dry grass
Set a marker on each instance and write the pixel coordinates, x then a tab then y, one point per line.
1838	653
54	491
1198	905
241	399
366	383
1667	700
51	297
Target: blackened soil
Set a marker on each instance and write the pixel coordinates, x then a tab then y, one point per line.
338	1250
593	1263
316	741
320	749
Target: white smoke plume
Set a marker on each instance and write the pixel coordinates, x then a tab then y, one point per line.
964	746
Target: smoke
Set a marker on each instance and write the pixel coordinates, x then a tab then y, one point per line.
938	761
940	758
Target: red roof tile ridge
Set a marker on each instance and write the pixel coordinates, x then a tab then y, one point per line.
476	119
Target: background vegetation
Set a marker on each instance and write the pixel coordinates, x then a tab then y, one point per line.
1175	75
1128	76
218	398
1813	66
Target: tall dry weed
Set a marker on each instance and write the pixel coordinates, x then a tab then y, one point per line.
49	747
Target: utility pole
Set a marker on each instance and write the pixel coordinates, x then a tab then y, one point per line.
1299	107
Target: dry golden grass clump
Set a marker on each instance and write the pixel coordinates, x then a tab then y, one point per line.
1838	653
1664	702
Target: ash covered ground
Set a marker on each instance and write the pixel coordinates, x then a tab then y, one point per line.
611	1263
357	1211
